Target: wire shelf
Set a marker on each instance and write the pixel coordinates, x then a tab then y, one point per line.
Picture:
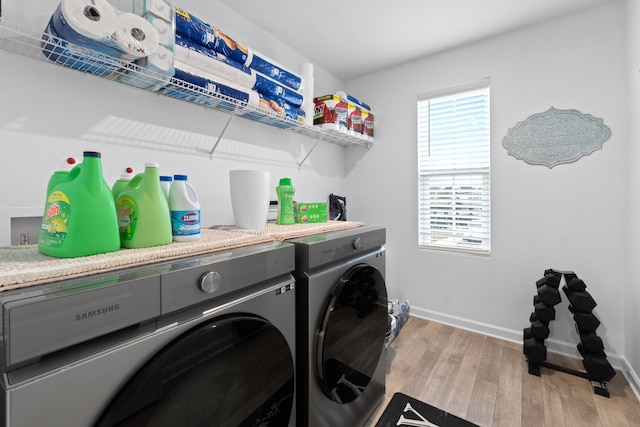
47	48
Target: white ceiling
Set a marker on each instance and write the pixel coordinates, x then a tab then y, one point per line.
353	38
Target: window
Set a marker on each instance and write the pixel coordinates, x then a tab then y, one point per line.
454	169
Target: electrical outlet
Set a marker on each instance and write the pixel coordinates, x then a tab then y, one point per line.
8	235
25	230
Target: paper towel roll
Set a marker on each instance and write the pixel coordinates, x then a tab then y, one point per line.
208	60
274	71
93	19
308	106
266	86
215	84
306	72
135	36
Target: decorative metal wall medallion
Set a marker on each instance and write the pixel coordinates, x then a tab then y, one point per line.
555	137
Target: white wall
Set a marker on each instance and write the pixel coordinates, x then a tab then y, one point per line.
571	217
632	291
48	113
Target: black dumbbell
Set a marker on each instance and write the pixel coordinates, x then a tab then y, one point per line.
574	283
539	330
586	321
549	279
580	300
556	274
584	352
534	348
543	311
591	342
598	367
549	295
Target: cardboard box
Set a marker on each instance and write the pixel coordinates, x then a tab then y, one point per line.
310	212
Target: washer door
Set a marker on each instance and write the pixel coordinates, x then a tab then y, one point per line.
351	338
230	371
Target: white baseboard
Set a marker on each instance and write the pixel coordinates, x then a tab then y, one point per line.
618	362
631	376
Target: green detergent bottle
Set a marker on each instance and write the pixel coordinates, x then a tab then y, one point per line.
120	184
285	192
143	211
62	174
79	215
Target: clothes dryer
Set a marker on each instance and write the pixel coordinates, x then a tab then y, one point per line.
206	340
341	325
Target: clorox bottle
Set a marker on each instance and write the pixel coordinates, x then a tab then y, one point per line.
79	216
185	210
165	183
143	212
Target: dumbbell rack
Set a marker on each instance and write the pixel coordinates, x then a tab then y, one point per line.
581	305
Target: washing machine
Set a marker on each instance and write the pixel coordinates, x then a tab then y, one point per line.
341	325
200	341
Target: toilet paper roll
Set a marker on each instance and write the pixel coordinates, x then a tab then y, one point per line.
159	8
135	36
161	60
164	29
93	19
70	55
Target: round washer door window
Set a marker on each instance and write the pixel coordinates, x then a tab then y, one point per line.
351	339
230	371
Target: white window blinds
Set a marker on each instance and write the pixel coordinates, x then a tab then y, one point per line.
454	169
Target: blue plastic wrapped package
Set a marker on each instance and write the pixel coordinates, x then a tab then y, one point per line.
231	96
69	55
353	99
282	109
273	90
122	35
189	26
58	26
275	72
210	61
192	28
206	59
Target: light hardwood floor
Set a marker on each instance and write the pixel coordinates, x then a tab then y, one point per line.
486	381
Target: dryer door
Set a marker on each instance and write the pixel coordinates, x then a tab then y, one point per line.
230	371
351	338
